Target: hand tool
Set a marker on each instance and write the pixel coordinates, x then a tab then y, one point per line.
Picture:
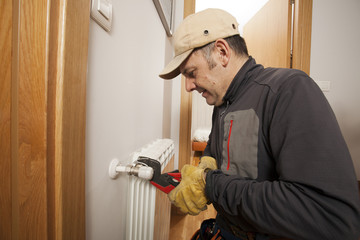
165	182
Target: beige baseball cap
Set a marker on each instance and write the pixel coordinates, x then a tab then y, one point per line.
197	30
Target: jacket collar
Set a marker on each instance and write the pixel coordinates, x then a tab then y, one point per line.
240	79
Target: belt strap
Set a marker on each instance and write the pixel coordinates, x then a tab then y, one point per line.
242	234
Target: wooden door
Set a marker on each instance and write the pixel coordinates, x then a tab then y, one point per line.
279	35
43	47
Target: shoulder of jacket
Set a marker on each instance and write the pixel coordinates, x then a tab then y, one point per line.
274	78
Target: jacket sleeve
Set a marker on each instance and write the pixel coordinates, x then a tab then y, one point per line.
316	194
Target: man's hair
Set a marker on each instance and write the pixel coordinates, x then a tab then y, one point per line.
236	43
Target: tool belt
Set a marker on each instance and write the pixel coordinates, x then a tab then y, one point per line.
209	230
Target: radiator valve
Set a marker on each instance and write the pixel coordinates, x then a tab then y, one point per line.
137	169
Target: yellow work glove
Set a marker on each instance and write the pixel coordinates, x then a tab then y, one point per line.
207	162
189	195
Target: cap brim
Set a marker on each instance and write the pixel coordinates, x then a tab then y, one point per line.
172	69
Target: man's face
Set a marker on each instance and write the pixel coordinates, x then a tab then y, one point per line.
208	82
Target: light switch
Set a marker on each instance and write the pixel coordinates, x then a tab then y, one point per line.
105	8
101	12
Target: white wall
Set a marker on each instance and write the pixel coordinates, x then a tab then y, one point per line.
335	57
128	106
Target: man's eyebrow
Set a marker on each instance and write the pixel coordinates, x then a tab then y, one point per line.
187	70
184	71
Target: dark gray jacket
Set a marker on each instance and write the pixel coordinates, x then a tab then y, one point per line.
284	167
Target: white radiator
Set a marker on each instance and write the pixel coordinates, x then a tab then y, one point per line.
142	194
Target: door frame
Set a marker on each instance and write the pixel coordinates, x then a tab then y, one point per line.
185	107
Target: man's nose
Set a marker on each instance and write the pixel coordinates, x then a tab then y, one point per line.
189	84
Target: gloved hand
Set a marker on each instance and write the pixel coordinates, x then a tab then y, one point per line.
189	195
207	162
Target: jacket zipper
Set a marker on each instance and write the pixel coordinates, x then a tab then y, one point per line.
223	112
228	145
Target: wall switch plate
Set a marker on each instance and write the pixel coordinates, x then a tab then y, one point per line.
324	85
101	12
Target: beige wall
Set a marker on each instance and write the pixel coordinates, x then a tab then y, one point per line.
335	52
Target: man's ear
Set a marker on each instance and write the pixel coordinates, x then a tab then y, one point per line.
223	50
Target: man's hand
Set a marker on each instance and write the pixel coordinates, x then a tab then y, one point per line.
208	163
189	195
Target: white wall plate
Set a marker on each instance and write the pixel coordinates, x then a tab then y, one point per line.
101	12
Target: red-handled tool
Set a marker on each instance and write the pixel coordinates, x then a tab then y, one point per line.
165	182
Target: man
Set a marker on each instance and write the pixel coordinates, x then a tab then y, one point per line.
284	169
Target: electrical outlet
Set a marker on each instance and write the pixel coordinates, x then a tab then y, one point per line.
324	85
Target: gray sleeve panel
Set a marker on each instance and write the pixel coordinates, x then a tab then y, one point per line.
240	145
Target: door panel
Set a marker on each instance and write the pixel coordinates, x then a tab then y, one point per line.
42	118
302	35
268	34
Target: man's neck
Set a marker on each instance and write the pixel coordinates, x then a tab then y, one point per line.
236	65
